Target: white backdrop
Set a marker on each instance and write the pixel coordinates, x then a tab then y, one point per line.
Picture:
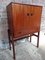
3	15
3	21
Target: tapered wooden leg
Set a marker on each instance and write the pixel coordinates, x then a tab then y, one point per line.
30	38
9	40
13	50
38	40
9	44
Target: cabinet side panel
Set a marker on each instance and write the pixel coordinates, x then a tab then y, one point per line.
10	18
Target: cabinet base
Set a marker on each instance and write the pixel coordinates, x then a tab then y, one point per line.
12	42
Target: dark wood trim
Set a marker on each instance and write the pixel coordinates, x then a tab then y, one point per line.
38	40
30	38
9	39
12	41
35	35
13	46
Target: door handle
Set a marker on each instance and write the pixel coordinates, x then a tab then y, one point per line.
28	14
31	14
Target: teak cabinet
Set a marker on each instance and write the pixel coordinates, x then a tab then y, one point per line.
23	19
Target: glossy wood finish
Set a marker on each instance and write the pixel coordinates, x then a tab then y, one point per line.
23	19
18	20
26	19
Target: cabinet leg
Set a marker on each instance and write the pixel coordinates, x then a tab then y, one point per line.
38	40
13	50
30	38
9	40
9	44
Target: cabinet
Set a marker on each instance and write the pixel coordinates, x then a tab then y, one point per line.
23	19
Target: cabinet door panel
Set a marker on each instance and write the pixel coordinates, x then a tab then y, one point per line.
35	18
26	19
32	20
18	19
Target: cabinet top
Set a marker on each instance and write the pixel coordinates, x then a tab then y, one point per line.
23	4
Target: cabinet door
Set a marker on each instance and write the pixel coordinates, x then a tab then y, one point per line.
35	18
18	19
26	29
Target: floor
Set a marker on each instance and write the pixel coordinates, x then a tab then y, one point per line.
26	50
